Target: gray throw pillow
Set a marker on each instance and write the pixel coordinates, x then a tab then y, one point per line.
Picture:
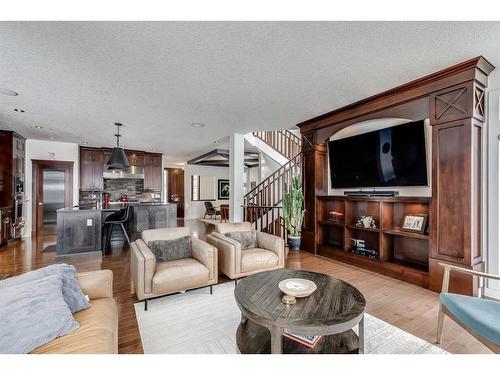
72	292
247	239
32	314
168	250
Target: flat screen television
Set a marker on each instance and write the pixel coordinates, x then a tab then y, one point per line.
393	156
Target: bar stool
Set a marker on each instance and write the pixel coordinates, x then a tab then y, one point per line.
117	218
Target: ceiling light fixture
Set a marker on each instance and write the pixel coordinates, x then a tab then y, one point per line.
84	142
118	159
8	92
197	125
217	142
19	110
38	127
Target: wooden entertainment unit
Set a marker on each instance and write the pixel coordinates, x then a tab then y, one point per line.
402	254
453	101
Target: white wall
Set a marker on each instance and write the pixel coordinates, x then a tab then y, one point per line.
193	209
267	166
492	190
371	125
47	150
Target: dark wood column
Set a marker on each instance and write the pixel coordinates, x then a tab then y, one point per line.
315	182
457	119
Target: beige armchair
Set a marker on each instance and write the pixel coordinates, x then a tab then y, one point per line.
237	263
153	279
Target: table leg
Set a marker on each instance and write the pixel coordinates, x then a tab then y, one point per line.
361	336
276	340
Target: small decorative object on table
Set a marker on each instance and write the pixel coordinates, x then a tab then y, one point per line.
366	222
288	300
414	223
336	216
297	288
309	341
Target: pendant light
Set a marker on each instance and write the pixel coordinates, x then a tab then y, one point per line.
118	160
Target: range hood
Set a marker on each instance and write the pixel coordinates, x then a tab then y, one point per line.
131	172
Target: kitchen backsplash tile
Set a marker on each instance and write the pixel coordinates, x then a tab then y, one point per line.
133	188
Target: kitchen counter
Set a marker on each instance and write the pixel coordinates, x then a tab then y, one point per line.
79	229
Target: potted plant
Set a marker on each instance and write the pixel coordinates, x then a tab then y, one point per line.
293	211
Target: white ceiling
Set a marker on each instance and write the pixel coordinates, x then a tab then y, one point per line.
77	78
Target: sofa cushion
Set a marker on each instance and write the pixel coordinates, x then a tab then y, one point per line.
98	331
182	274
169	250
247	239
482	316
32	314
72	292
257	259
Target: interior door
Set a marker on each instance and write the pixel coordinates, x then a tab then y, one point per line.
175	191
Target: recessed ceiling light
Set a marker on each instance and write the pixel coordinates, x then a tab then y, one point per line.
37	126
19	110
216	142
84	142
8	92
197	125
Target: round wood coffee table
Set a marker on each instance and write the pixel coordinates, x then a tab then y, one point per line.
331	311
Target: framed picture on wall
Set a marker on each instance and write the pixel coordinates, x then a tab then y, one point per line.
223	189
414	223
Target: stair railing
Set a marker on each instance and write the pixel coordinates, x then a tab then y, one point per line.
283	141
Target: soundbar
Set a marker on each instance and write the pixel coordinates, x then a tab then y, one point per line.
374	193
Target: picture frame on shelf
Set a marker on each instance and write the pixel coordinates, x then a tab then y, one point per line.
415	223
223	189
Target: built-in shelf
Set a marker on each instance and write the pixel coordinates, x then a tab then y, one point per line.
402	233
363	228
402	254
332	223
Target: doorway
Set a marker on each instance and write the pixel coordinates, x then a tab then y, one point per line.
175	188
52	190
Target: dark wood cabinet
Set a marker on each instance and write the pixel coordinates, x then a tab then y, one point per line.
91	169
93	163
135	158
152	172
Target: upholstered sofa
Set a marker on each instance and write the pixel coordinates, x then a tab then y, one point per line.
235	262
98	332
153	279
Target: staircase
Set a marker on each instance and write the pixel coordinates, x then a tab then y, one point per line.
262	205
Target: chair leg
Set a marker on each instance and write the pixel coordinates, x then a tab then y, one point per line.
125	233
440	325
145	305
235	282
211	289
108	237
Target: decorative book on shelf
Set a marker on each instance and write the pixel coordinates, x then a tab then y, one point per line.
306	340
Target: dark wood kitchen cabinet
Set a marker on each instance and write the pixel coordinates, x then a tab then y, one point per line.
152	172
135	158
91	169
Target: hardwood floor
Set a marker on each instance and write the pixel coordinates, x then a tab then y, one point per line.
406	306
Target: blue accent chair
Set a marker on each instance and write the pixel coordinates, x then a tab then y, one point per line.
478	316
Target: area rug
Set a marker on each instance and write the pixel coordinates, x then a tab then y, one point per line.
196	322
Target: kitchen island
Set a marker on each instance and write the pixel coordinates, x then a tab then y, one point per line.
79	229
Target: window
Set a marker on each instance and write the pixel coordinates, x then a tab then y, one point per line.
195	187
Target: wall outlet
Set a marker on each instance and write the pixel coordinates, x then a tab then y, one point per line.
89	222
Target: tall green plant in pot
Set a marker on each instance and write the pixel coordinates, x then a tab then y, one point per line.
293	211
